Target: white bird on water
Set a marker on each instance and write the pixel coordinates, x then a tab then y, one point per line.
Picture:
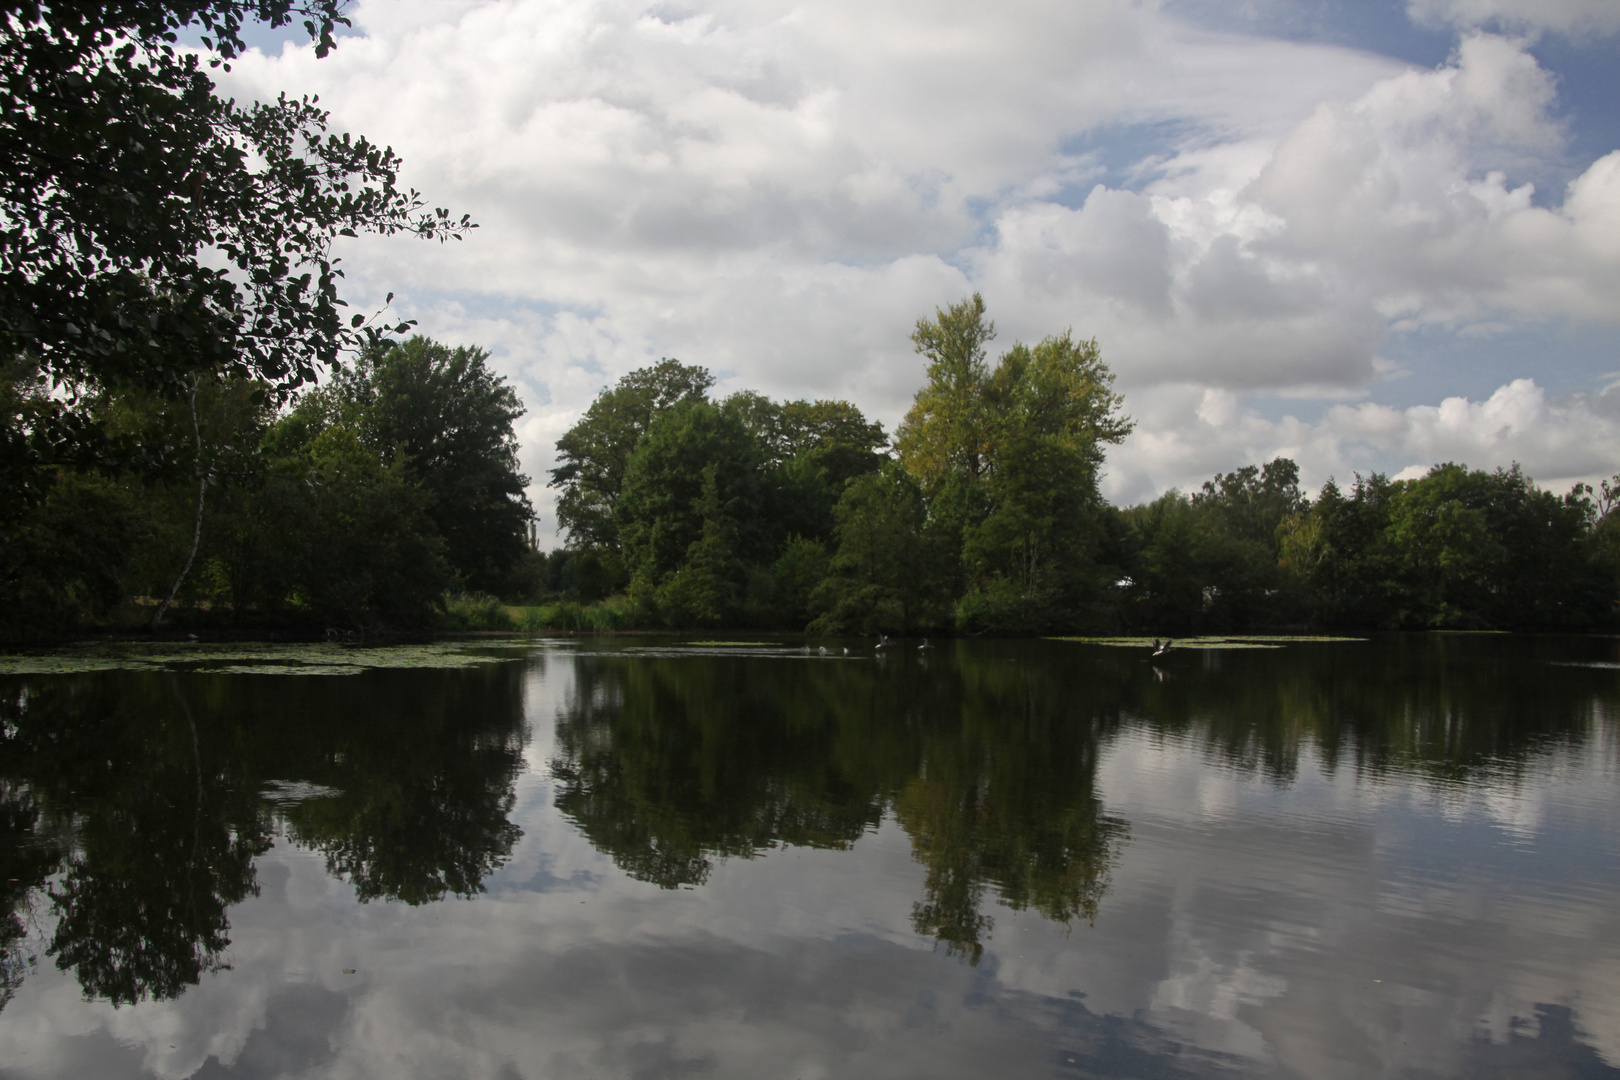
924	647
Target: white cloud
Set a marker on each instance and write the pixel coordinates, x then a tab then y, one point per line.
1284	263
778	190
1190	433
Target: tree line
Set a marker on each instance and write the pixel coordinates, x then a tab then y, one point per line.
357	507
379	497
985	517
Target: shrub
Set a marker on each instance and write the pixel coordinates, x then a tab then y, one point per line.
476	611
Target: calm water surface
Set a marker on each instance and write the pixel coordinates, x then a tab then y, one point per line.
1389	858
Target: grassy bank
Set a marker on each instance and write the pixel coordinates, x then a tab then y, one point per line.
477	612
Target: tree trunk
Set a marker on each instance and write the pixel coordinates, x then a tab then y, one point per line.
196	532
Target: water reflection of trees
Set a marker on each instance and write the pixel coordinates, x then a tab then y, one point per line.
987	754
1447	707
134	806
667	764
28	855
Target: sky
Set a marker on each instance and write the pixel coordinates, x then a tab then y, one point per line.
1371	235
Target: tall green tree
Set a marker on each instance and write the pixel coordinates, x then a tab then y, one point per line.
595	453
1165	571
1491	549
1007	458
945	434
661	512
707	590
890	570
350	540
812	450
1242	515
447	418
1341	554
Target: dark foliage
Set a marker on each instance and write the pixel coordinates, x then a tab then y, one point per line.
125	181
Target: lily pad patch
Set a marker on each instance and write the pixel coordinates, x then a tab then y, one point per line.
307	659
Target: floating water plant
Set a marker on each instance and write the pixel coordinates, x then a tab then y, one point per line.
253	659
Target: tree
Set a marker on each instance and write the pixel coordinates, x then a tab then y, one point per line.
125	181
206	442
1007	459
794	578
1250	503
887	572
706	590
660	513
1492	549
123	178
1340	553
944	434
1031	559
1242	516
67	561
351	538
842	442
595	453
812	450
448	420
413	449
1166	576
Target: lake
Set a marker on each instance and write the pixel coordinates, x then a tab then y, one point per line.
648	857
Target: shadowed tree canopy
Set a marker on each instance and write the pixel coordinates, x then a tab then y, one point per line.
633	499
124	179
834	434
1250	503
151	230
662	511
595	453
448	418
436	420
813	449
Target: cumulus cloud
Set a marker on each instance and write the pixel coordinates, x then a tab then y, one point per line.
778	190
1191	432
1286	263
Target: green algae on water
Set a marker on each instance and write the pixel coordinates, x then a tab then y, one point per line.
252	659
1224	641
